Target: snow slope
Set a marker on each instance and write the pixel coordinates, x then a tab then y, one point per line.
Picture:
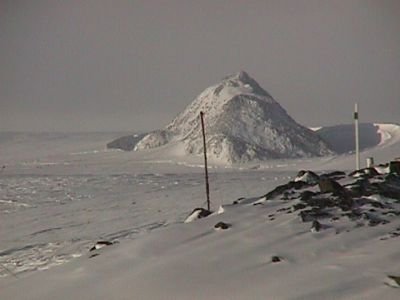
55	204
243	123
345	260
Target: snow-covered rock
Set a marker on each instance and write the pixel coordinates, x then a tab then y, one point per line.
307	176
243	123
197	213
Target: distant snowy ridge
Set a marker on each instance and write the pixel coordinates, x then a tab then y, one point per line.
390	134
372	135
243	123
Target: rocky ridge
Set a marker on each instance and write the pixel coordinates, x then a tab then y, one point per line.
366	197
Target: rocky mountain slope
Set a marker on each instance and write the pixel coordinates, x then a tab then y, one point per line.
243	123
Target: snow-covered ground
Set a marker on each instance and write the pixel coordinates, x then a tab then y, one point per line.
61	194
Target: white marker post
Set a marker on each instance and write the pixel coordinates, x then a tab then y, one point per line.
357	141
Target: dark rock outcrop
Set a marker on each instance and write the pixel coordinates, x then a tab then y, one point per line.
327	185
100	244
370	200
276	259
285	189
222	225
394	167
307	176
126	143
316	226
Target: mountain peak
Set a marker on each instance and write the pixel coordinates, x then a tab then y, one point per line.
243	79
242	76
243	122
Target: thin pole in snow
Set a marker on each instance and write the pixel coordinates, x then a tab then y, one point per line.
357	137
205	160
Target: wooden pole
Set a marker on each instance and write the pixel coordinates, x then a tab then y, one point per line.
357	137
205	160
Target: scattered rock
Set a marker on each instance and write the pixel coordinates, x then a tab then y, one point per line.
394	167
276	259
198	213
374	220
100	244
299	206
307	176
312	214
393	234
306	195
353	215
360	188
372	199
393	281
237	201
345	202
366	172
222	225
283	209
327	185
316	226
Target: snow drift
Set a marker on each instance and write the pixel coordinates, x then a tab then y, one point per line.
243	123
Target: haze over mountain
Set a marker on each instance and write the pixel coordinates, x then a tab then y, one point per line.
243	123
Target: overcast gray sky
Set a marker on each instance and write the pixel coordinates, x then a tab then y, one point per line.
133	65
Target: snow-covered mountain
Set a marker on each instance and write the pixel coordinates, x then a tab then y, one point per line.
243	123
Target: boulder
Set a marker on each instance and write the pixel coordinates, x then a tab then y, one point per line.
327	185
394	167
307	176
366	172
222	225
316	226
100	244
197	213
276	259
